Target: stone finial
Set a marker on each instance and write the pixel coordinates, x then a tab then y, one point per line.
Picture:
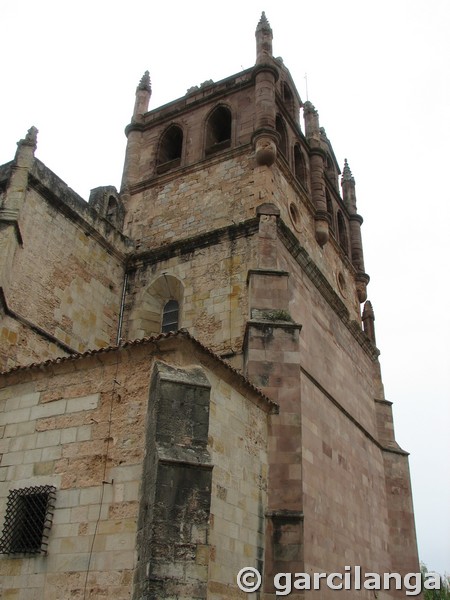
368	318
346	173
30	139
145	83
368	311
309	108
264	38
263	24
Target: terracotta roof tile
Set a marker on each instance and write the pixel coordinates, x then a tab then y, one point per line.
139	342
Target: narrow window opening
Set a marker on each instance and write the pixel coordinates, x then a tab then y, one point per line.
29	514
288	98
330	210
299	165
281	130
170	316
330	170
170	147
218	130
342	231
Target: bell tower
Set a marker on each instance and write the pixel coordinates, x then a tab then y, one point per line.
244	221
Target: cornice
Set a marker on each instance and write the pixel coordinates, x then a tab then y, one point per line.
190	244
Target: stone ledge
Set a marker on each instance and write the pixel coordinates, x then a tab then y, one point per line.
188	457
270	272
277	324
285	514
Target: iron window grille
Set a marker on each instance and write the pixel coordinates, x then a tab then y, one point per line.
28	519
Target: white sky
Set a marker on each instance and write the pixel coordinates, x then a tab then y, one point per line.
378	73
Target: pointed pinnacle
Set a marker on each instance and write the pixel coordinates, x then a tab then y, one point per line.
263	24
145	83
368	311
346	173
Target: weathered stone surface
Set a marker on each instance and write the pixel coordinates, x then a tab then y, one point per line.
172	471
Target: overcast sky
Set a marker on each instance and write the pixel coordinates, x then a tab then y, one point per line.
378	73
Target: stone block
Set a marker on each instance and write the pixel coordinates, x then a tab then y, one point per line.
50	409
89	402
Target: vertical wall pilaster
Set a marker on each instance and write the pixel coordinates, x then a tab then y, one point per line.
134	133
13	201
349	197
265	137
317	168
272	362
172	539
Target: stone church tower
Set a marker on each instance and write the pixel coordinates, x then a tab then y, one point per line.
194	358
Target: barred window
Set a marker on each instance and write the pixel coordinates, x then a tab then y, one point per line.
29	514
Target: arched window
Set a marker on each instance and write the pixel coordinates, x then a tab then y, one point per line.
170	316
299	165
288	99
330	171
158	307
330	210
342	232
281	130
170	147
218	130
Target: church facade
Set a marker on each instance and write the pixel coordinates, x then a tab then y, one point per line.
190	380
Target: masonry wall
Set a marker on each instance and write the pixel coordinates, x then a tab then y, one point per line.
344	495
216	192
330	353
81	425
20	346
238	446
72	427
65	281
214	301
330	259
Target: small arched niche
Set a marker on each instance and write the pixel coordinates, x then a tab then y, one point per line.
170	149
158	309
218	130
